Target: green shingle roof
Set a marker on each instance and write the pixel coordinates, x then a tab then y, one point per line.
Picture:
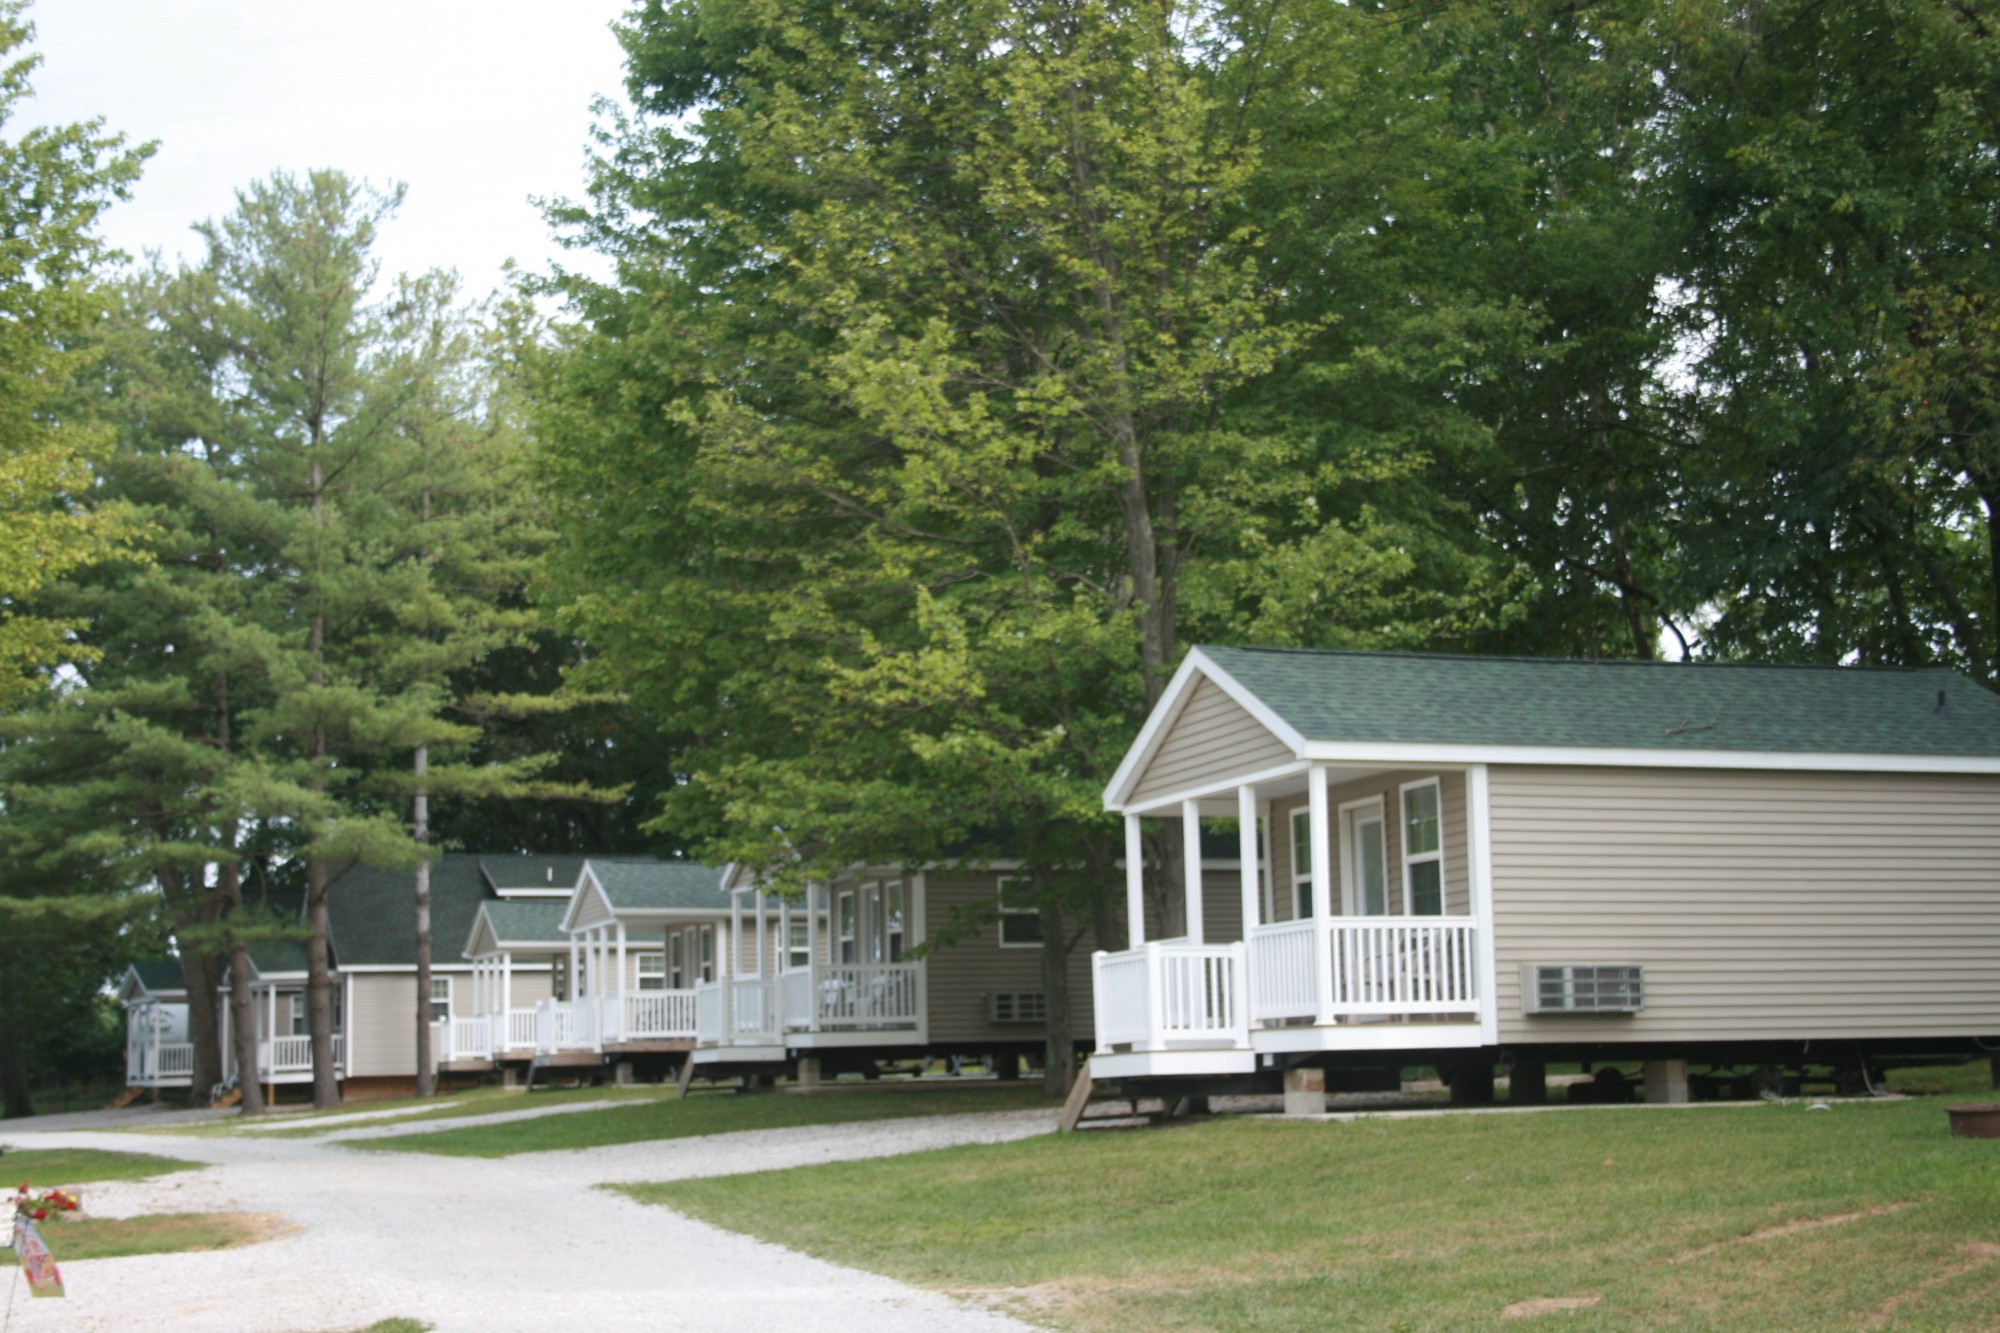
160	974
373	917
1458	700
528	922
531	872
660	885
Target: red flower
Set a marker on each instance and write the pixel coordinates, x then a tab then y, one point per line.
41	1214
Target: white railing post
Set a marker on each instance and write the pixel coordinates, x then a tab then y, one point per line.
1156	1018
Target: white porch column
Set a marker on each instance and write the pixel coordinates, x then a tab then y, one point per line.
813	894
1246	853
619	989
784	933
735	928
271	1024
506	982
1191	854
1322	891
1135	885
763	935
573	963
1270	861
725	972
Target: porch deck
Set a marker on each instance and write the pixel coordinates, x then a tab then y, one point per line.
1313	985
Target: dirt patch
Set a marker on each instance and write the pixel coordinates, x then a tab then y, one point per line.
1542	1305
93	1238
1794	1228
1975	1255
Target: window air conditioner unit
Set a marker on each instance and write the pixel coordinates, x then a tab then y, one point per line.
1583	988
1019	1006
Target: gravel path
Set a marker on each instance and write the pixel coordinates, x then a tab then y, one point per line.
521	1243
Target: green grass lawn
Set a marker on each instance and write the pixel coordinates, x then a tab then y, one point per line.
60	1168
1769	1217
155	1233
658	1117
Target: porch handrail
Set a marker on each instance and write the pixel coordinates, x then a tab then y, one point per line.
754	1005
867	995
1380	965
708	1013
1171	995
520	1028
795	986
658	1013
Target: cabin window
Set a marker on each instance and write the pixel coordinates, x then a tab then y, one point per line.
440	999
676	961
1020	919
798	948
1302	863
708	953
295	1004
871	924
652	970
893	899
1423	850
845	934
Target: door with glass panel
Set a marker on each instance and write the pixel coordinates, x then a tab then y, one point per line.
1367	861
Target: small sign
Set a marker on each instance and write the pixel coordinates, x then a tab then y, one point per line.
36	1261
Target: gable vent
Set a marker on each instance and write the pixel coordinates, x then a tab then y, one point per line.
1019	1006
1583	988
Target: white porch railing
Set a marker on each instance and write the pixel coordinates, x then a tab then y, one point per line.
566	1025
708	1013
466	1038
1171	995
1378	967
293	1055
866	995
520	1028
649	1015
795	989
754	1009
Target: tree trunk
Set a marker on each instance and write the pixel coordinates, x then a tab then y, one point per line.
201	980
15	1098
1059	1052
242	1002
319	989
426	1071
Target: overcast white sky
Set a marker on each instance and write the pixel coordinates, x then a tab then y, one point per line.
476	106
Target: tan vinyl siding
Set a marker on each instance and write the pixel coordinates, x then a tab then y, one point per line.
528	989
963	976
1214	738
381	1033
1388	787
1773	905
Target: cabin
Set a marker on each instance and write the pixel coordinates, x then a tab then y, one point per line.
372	951
835	981
1480	863
158	1050
640	936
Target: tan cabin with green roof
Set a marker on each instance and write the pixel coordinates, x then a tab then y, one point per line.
1479	859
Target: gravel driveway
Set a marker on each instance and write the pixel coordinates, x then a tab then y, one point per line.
474	1244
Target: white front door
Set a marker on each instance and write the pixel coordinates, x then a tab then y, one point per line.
1367	867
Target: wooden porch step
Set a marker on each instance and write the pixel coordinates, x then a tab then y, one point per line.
1076	1112
124	1099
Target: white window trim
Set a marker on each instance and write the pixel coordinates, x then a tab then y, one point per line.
705	953
677	959
1299	820
895	925
846	922
640	974
1000	901
1421	858
445	981
799	955
1350	852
